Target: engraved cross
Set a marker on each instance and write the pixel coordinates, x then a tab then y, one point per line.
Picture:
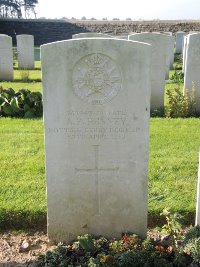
96	170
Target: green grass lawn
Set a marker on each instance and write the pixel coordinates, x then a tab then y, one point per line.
173	166
22	182
31	75
32	86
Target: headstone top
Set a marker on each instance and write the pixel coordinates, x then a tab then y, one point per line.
6	58
91	34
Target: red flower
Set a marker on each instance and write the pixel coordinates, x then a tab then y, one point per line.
126	239
159	248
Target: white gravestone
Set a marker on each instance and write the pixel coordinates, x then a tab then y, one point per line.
170	52
96	137
179	42
160	44
192	66
6	58
90	35
170	55
184	52
25	51
197	221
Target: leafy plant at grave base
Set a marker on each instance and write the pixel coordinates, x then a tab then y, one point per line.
193	249
178	59
177	77
181	105
130	250
86	242
191	244
192	233
172	226
24	103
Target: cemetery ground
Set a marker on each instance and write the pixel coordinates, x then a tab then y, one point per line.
172	181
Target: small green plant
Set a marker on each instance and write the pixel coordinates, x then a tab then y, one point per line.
181	104
177	77
194	232
172	226
86	242
128	251
24	103
192	248
178	61
58	257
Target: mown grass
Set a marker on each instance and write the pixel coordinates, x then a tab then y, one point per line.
33	75
34	86
173	165
22	182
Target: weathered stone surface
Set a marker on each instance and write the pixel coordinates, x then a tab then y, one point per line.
96	137
185	43
25	51
179	42
160	48
6	58
184	52
192	66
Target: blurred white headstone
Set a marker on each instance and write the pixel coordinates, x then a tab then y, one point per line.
6	58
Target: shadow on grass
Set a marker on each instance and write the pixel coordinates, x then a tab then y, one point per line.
23	220
31	222
155	219
19	80
36	68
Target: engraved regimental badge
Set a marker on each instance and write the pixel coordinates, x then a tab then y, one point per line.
96	78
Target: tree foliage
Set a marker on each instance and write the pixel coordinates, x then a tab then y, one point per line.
17	8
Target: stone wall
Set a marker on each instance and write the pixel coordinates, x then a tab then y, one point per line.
46	31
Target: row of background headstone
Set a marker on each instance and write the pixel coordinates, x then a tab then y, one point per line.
191	66
25	55
163	56
187	45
